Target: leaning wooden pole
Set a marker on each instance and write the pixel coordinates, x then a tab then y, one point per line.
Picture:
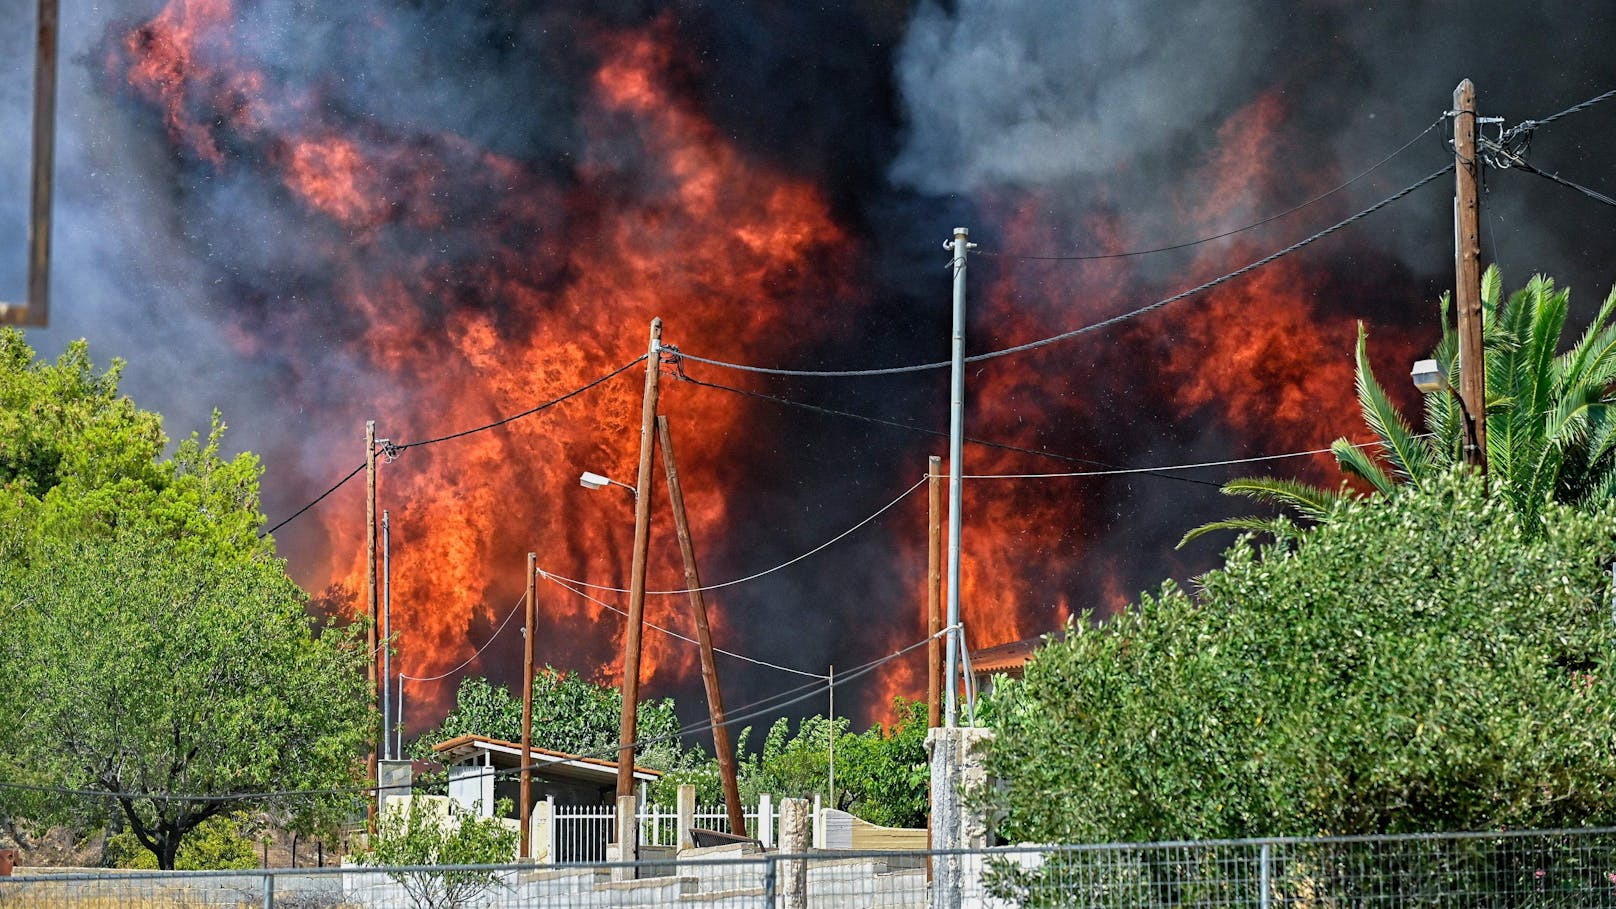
636	583
1467	275
704	636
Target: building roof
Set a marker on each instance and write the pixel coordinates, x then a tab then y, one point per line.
1008	658
554	763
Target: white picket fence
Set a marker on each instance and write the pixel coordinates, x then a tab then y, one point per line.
579	833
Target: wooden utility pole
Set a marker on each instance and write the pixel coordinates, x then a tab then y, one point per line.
370	597
1467	275
526	806
934	592
34	310
704	636
636	583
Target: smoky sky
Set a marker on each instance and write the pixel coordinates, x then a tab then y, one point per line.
1026	121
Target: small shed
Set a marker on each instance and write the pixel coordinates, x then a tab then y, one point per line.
482	771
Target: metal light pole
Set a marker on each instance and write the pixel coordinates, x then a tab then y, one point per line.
523	846
387	637
956	445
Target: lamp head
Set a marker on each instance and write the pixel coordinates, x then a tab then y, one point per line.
593	481
1428	376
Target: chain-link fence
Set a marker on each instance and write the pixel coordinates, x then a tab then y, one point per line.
1546	869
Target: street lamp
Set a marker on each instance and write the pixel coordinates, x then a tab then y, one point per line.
596	481
1428	376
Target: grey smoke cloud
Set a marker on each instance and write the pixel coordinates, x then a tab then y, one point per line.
1032	92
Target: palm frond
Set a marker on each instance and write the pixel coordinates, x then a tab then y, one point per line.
1355	460
1279	528
1593	357
1309	501
1408	454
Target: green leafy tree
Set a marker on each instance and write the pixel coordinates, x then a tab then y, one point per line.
140	667
570	714
436	832
222	842
882	774
78	459
1551	429
1429	659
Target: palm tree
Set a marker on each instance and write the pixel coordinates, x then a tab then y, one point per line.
1551	426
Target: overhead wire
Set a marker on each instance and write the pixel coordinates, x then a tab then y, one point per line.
812	690
744	714
1092	327
1525	127
898	424
317	500
756	575
1593	194
1228	233
1131	470
526	413
486	644
392	450
674	634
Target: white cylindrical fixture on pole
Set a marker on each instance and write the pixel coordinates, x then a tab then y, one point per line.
956	445
398	743
387	636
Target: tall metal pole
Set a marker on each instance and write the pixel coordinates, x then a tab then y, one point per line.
956	445
636	583
934	590
387	637
704	635
1467	275
831	796
370	596
525	808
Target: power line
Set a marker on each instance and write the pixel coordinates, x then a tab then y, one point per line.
1525	127
674	634
486	645
317	499
898	424
1129	470
751	577
526	413
1096	326
1229	233
393	450
737	717
1593	194
742	717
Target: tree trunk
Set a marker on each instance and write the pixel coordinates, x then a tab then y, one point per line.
168	847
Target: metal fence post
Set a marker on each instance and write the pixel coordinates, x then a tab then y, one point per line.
1266	876
769	869
269	890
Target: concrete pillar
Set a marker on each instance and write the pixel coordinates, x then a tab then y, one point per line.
685	815
796	822
396	778
539	837
628	837
957	771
